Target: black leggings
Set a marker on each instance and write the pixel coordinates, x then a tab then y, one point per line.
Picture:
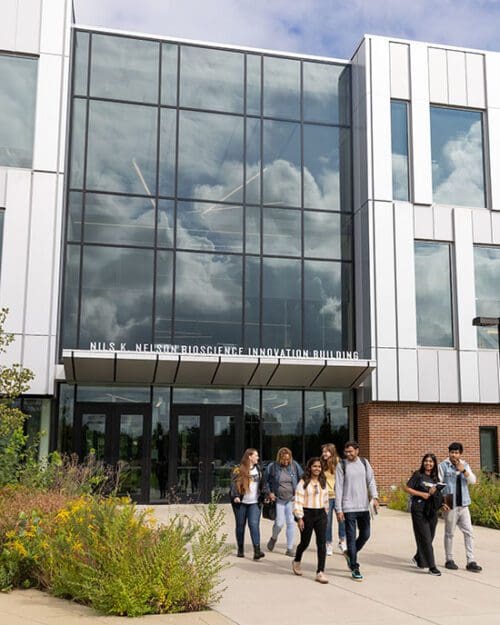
314	519
424	528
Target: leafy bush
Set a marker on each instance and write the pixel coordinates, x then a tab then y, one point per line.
106	554
397	499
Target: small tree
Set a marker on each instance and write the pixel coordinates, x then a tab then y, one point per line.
14	381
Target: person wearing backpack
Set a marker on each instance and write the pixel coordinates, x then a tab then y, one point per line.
354	485
282	477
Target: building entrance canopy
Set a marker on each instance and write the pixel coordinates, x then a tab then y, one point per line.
87	366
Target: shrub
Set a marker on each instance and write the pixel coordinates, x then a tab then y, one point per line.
485	504
397	499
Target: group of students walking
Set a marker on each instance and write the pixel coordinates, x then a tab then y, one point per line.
345	488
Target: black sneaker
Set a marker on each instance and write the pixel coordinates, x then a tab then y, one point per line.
474	566
270	544
415	562
434	571
356	574
450	564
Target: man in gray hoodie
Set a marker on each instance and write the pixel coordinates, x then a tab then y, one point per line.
354	486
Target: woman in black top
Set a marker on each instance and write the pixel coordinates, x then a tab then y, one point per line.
426	500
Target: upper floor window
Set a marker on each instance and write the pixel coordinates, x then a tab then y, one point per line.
433	294
457	157
487	277
17	109
399	142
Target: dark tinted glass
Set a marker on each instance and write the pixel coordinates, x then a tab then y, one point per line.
71	296
281	88
163	311
399	141
117	296
252	229
81	63
208	226
326	420
211	79
253	165
281	423
17	110
74	225
321	92
167	151
210	157
433	294
122	148
487	274
165	223
282	232
253	84
281	303
322	235
169	73
252	302
124	68
282	164
79	117
321	167
208	299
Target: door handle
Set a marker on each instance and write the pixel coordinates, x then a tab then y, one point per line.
200	464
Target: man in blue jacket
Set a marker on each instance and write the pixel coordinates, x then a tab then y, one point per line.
457	475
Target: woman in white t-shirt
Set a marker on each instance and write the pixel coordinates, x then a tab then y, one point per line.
248	490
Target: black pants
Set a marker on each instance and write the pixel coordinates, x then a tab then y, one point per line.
314	519
424	529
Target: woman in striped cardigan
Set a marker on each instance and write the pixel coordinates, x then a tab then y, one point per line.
310	511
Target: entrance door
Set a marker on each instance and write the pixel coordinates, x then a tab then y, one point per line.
207	442
117	432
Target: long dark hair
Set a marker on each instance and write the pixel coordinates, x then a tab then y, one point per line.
306	478
434	472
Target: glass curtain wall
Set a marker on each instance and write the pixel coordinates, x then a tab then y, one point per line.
209	198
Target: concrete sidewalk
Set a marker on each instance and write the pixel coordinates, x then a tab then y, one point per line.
393	591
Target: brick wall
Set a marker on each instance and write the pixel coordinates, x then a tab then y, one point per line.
395	436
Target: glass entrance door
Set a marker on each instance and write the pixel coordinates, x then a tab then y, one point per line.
207	443
114	433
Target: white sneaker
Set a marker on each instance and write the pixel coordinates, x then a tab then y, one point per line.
329	549
342	546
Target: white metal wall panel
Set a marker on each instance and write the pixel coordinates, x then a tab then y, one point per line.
387	375
408	375
3	186
448	375
423	221
488	377
47	113
495	228
438	76
464	262
52	30
420	125
474	64
8	25
15	247
41	254
400	70
493	129
385	288
405	276
36	358
443	222
28	26
481	226
492	70
457	87
428	375
57	254
469	381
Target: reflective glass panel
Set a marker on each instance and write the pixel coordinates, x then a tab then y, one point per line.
281	88
210	157
131	450
323	306
17	106
77	159
122	148
252	230
326	420
188	455
487	274
169	73
253	172
124	68
206	396
252	302
211	79
81	63
322	235
93	435
433	294
457	157
208	299
321	167
71	296
253	84
167	152
399	142
74	216
112	394
65	418
321	92
119	219
251	413
281	303
281	423
282	163
160	439
282	232
164	283
165	223
488	445
208	226
117	296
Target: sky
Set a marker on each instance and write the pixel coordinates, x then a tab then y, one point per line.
322	27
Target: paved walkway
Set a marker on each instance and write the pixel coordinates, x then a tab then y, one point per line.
393	592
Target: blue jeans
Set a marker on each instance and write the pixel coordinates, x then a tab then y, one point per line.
243	513
362	521
284	514
329	526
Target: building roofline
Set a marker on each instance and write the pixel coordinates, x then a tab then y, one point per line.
222	46
430	44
